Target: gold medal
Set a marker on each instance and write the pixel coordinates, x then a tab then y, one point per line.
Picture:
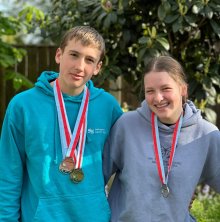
67	165
77	175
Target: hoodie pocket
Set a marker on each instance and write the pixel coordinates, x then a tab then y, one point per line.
86	208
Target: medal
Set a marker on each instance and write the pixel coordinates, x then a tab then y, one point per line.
165	190
67	165
158	154
77	175
72	145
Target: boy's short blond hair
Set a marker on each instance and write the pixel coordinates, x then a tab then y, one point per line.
87	36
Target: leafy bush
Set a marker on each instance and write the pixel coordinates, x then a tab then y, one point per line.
137	30
207	209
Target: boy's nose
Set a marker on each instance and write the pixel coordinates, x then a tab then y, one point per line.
80	64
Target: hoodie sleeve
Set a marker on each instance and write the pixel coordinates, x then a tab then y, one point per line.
211	171
11	166
111	152
109	166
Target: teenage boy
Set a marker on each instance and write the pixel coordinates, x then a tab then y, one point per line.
53	137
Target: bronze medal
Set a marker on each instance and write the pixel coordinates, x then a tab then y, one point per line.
77	175
165	190
67	165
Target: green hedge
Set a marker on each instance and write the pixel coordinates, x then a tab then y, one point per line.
207	209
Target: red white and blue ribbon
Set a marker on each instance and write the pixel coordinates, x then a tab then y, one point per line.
72	145
157	147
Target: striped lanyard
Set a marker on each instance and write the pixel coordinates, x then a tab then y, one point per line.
157	147
72	145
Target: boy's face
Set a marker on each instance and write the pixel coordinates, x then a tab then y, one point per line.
78	64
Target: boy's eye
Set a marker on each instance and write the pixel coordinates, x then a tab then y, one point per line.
90	60
73	54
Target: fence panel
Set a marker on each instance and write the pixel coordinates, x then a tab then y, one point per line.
38	58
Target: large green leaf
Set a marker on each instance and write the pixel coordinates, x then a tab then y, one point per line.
171	18
215	26
19	79
197	7
163	42
211	115
143	40
208	12
161	12
216	80
177	25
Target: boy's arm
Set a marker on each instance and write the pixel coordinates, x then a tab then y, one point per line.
109	168
11	171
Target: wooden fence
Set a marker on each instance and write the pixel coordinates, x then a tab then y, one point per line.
37	59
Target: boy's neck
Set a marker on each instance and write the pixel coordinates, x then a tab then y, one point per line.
72	92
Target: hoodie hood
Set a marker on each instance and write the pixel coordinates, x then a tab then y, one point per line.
191	114
43	83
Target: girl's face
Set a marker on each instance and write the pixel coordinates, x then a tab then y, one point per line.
164	96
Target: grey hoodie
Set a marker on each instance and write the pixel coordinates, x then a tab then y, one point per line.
135	195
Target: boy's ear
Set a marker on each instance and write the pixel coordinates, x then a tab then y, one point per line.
98	68
58	55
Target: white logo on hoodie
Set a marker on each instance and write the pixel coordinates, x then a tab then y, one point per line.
96	131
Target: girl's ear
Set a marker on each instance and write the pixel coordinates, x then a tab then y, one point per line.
184	91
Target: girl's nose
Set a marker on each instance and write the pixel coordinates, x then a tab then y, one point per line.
158	97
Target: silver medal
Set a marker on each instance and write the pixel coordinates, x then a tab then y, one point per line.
165	190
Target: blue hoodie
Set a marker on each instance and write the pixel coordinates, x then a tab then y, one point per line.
31	186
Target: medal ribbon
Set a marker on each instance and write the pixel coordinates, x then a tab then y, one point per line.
157	147
79	134
68	142
81	144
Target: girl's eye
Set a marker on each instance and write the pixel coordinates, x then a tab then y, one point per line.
148	91
166	89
